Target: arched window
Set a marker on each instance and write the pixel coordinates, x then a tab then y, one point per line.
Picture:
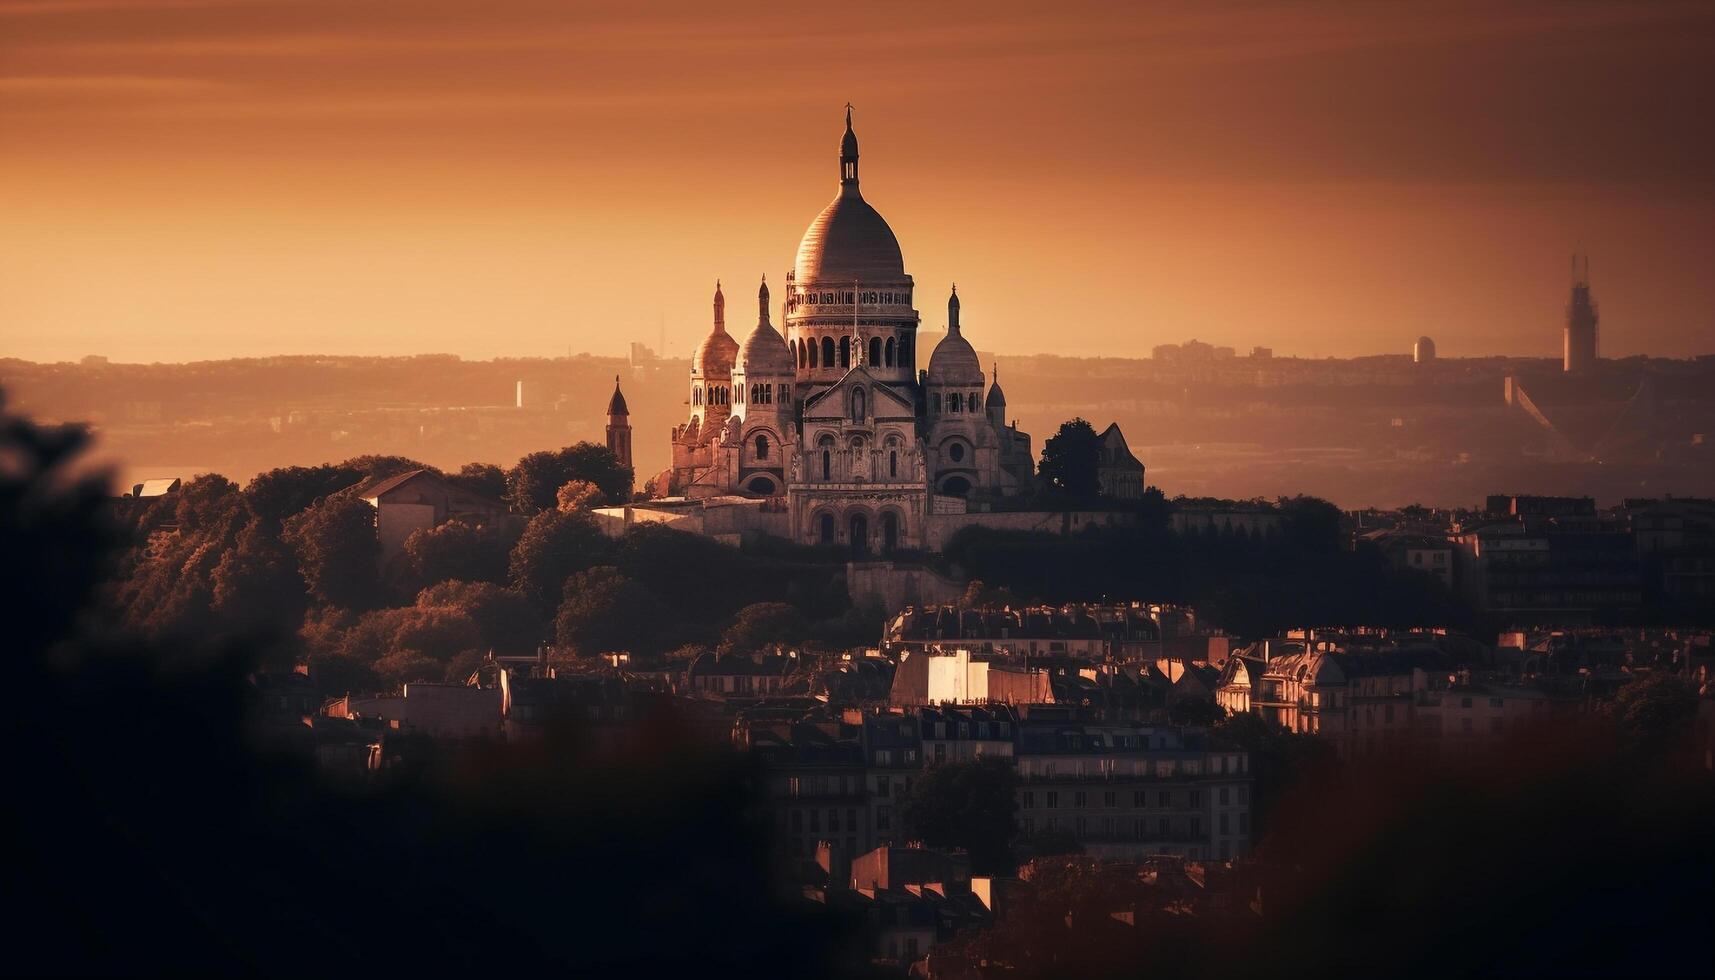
811	344
976	402
893	465
827	352
845	352
825	528
827	464
875	351
857	405
889	532
785	396
953	403
696	396
956	452
761	447
889	355
860	534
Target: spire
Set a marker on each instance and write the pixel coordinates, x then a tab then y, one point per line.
849	155
762	302
720	309
953	312
616	404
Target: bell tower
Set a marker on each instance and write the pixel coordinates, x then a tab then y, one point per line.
619	426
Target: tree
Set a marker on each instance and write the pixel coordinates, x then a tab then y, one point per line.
968	805
257	591
338	551
603	611
579	495
534	484
978	595
1656	710
380	467
507	621
1312	525
280	493
204	500
1070	459
485	479
1280	760
763	624
456	550
54	531
553	546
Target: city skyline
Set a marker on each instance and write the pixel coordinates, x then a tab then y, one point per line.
195	181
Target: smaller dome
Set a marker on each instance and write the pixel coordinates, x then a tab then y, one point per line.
765	354
716	354
715	357
996	397
954	361
616	404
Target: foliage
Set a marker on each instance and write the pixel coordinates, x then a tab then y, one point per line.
1280	760
338	551
381	467
534	484
603	611
456	550
483	479
968	805
762	625
280	493
978	595
505	619
1656	710
206	499
553	546
578	495
53	530
1070	459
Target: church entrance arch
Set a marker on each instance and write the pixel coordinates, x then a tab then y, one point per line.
889	532
825	528
860	534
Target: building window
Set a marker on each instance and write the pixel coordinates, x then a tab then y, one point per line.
956	452
761	447
952	403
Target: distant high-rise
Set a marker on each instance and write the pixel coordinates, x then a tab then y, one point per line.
1581	334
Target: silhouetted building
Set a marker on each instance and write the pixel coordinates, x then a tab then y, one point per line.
619	426
1582	338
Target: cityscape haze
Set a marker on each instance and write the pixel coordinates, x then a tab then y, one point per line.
1216	489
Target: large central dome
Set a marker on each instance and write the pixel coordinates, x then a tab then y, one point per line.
849	239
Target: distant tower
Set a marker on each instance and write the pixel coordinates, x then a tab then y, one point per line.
619	426
1581	334
1424	351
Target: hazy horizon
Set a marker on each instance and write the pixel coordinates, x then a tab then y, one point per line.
198	179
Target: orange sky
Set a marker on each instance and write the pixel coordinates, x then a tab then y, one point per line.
187	179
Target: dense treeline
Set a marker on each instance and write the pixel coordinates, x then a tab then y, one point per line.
289	565
153	833
1250	588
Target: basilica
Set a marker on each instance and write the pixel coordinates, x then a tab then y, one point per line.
833	423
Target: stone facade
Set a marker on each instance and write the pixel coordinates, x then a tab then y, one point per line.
835	418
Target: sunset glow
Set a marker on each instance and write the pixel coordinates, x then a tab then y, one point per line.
187	180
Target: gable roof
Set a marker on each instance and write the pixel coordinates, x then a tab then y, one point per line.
858	374
1113	440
